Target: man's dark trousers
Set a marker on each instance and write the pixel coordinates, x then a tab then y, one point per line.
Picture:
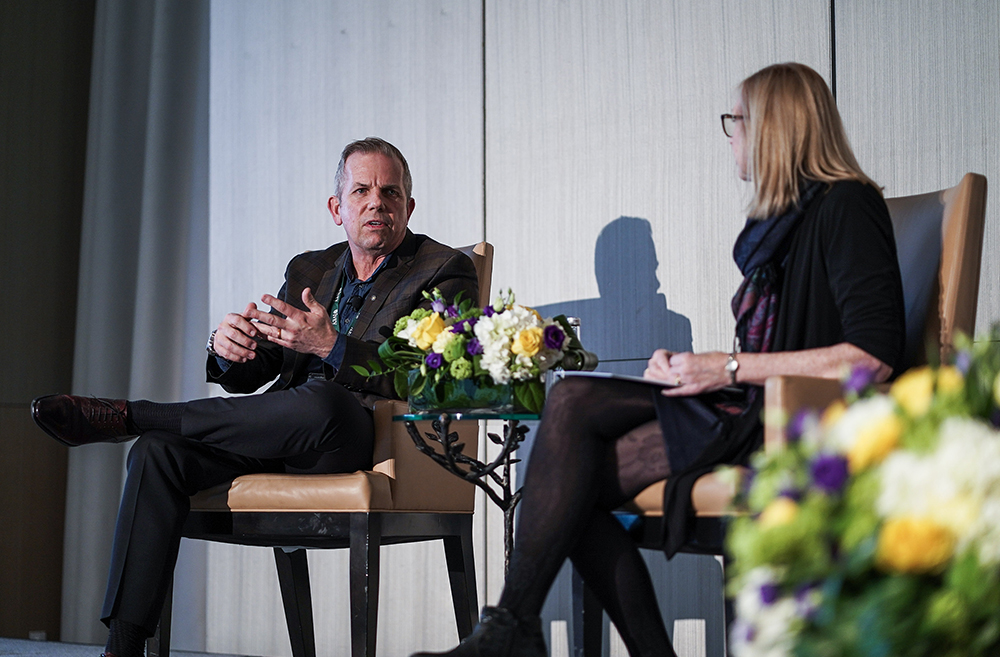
316	427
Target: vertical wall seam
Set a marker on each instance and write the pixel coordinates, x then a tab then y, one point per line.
833	49
483	4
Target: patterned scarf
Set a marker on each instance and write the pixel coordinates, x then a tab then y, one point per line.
760	253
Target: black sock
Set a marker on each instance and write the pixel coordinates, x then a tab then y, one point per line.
126	639
146	415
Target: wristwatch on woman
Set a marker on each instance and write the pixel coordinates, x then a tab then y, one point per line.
731	366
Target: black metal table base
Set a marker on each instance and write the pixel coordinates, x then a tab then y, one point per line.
493	477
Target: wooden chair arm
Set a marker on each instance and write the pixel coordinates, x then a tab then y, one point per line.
418	483
785	395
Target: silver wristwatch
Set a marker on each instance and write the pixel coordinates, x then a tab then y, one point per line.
731	366
210	347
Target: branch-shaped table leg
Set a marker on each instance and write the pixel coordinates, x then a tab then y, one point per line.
497	485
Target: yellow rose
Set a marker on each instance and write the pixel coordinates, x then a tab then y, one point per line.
781	511
833	413
914	545
528	342
996	389
427	330
913	390
949	379
874	443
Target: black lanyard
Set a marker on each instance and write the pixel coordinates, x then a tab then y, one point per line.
335	309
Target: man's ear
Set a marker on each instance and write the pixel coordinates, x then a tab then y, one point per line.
334	206
409	207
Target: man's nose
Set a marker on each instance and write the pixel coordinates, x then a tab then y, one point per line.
376	200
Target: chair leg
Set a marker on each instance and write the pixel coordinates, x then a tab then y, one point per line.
588	619
158	645
462	575
293	578
366	538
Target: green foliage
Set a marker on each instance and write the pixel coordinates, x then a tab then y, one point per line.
433	360
530	395
827	550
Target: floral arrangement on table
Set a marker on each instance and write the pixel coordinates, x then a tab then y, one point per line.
877	531
457	355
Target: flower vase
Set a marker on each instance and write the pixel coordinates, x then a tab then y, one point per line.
464	395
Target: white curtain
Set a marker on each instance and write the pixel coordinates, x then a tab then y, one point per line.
142	304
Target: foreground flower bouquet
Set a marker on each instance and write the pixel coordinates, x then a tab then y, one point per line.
457	356
877	531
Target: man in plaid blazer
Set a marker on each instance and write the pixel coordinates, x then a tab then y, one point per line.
332	312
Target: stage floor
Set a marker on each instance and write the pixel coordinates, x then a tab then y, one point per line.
25	648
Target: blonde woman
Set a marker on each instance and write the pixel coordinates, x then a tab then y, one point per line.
821	293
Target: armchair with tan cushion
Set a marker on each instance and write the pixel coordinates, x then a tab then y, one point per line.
943	227
405	497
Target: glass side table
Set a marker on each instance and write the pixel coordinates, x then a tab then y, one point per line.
493	477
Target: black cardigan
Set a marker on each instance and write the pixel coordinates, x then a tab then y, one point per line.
840	283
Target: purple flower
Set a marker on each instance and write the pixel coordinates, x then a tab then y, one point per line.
859	380
489	311
802	420
829	472
434	360
769	593
553	337
805	603
473	347
451	311
437	306
963	360
995	418
793	494
464	326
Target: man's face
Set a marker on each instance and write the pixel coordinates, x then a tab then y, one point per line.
372	207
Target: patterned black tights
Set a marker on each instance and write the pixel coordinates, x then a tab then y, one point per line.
598	445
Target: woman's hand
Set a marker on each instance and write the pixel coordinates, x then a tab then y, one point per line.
693	374
697	373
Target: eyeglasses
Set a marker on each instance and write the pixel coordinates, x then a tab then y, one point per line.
729	123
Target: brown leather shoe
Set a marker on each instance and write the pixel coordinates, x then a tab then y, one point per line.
76	420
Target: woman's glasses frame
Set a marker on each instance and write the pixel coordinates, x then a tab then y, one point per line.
729	123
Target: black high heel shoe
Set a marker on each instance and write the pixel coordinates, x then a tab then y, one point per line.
499	634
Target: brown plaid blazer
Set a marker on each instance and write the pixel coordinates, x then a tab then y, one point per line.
420	264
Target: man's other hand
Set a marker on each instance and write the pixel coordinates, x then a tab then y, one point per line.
309	332
234	339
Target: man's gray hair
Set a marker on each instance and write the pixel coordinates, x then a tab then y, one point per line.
372	145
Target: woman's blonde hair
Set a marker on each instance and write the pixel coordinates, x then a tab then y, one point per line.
793	131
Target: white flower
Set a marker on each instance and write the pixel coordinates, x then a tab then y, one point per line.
858	417
956	486
764	630
408	331
495	341
442	340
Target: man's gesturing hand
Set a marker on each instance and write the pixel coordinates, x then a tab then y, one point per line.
306	332
234	339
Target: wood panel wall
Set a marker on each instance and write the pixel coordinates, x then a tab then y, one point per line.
918	90
583	140
292	83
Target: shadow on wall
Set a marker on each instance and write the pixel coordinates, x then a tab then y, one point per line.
623	327
630	319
